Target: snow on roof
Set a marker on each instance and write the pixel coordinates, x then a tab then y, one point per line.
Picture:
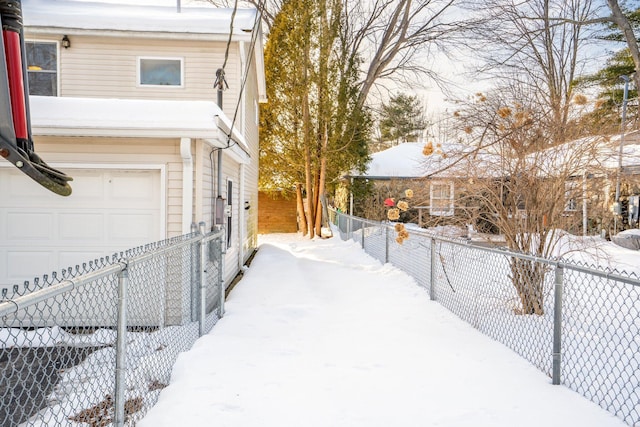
408	161
403	160
130	117
89	15
455	160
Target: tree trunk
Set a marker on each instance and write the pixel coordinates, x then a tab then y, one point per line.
311	210
321	179
303	217
528	279
627	31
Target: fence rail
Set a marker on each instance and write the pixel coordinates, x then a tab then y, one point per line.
578	324
96	344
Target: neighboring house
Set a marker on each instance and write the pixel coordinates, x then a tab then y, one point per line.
123	100
434	178
443	182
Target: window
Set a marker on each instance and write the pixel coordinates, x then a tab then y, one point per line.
570	196
441	195
160	72
42	67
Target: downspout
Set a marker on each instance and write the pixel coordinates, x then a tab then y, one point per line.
187	184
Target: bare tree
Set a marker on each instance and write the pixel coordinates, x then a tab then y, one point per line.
526	189
519	158
537	45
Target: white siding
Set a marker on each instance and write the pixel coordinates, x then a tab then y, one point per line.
106	67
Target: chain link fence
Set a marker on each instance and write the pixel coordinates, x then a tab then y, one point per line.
578	324
95	345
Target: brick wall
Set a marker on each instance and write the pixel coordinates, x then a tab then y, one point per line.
276	214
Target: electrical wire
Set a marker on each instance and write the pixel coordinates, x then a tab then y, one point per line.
254	38
252	46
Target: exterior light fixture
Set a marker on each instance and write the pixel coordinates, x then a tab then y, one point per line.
66	43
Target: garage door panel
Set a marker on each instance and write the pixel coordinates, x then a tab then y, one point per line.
21	188
88	187
81	227
22	264
131	187
25	225
125	227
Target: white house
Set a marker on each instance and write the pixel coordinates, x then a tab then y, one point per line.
123	100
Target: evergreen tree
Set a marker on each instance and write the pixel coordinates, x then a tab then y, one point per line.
402	119
605	116
312	129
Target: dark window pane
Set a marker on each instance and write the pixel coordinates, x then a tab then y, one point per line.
42	55
44	84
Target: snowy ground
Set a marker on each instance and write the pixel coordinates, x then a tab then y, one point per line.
318	333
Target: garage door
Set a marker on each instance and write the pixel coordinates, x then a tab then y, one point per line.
108	211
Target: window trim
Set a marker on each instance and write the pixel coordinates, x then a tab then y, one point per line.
58	51
139	60
436	211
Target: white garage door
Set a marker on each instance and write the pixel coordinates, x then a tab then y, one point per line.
108	211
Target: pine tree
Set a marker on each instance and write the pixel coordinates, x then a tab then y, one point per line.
401	119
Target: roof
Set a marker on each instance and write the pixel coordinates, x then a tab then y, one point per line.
66	116
96	15
403	160
407	161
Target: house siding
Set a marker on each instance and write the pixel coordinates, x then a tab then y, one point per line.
106	67
250	130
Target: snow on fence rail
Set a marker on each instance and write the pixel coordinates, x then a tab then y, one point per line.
95	345
586	330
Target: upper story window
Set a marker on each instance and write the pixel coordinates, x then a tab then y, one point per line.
160	72
42	67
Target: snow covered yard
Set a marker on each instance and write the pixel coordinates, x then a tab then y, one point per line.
318	333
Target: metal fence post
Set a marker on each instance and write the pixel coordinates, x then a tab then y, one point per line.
557	325
432	272
195	280
121	348
362	234
203	281
220	279
386	244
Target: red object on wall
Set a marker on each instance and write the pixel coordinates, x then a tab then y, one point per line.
16	82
